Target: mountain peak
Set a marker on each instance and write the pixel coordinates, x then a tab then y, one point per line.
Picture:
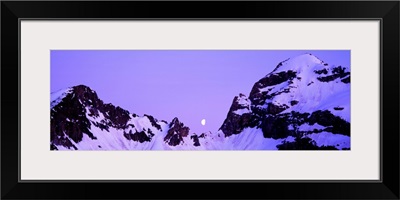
298	63
240	108
305	58
175	120
81	92
82	88
84	91
176	133
242	101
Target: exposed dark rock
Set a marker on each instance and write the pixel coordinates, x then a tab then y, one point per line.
235	123
338	108
87	96
176	133
153	122
313	131
346	80
294	102
150	133
128	135
102	126
53	147
275	127
275	109
267	95
236	105
280	64
272	79
310	83
69	116
63	141
116	115
93	112
323	147
175	139
141	137
338	72
304	143
195	139
138	136
326	118
322	71
328	78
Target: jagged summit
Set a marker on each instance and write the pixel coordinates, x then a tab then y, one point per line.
176	133
82	93
303	82
175	120
239	114
80	120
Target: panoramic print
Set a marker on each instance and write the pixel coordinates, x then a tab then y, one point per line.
200	100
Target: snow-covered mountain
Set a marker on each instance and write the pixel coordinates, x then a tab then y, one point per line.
304	98
303	104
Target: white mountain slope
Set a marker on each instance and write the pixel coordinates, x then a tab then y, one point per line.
303	104
312	93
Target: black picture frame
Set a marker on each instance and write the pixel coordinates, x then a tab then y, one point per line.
386	11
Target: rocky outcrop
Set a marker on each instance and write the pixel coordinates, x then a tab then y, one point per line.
275	109
196	141
337	72
259	97
303	144
141	136
275	93
69	120
333	123
277	126
153	122
177	131
238	117
115	116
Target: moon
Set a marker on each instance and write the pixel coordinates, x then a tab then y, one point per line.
203	122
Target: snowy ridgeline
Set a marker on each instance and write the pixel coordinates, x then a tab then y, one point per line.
303	104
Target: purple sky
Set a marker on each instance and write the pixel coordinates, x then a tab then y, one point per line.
188	84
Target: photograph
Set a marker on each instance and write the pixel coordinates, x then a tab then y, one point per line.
200	100
300	98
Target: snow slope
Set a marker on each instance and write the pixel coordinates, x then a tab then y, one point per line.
57	96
